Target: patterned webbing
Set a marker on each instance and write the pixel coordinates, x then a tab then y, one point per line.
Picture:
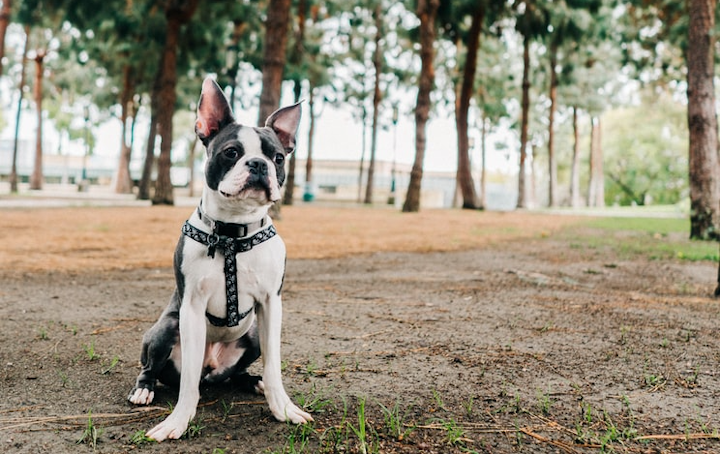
229	247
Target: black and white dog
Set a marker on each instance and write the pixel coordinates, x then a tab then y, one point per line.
229	270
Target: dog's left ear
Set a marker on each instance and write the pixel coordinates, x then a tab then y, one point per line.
213	112
285	124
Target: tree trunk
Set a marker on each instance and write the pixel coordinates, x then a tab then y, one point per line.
575	199
311	136
483	169
4	22
123	183
596	191
191	166
552	197
177	14
702	121
36	180
276	37
464	174
362	153
427	13
522	198
289	193
13	168
296	60
145	179
377	97
149	163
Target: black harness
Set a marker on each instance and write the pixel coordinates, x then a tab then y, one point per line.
230	239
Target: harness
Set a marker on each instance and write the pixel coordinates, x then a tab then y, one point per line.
230	239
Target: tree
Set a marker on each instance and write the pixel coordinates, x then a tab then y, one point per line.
377	97
177	13
4	22
13	168
656	170
427	13
494	84
295	61
702	121
531	22
596	191
36	180
274	49
471	40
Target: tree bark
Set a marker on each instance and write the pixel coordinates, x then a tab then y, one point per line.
552	180
177	13
276	37
289	193
149	163
4	22
427	13
362	154
702	121
123	183
13	167
311	136
377	97
522	196
36	180
483	171
464	174
575	199
596	191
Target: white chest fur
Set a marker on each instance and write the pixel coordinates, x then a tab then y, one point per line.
260	273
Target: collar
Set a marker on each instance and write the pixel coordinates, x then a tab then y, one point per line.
229	229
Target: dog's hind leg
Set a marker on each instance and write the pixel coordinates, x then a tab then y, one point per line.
241	378
158	343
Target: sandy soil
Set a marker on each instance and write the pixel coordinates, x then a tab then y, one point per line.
491	332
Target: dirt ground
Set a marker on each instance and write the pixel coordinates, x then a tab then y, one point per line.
490	332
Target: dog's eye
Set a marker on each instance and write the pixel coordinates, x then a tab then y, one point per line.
279	158
231	153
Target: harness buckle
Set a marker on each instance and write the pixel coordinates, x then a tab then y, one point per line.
213	239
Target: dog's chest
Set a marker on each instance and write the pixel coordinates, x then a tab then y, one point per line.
259	272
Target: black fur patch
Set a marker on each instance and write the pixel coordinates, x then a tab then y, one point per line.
218	164
271	146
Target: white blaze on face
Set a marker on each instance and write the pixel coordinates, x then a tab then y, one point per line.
236	178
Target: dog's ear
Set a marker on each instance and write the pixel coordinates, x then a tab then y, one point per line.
213	112
285	124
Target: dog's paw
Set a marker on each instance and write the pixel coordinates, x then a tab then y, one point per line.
283	409
141	396
248	383
172	428
296	415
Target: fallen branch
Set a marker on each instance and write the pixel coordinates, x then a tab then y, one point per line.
695	436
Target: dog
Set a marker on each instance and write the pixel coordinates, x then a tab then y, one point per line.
229	264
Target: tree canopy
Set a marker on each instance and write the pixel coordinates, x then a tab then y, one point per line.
619	61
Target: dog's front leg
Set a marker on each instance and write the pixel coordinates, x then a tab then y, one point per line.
192	347
269	327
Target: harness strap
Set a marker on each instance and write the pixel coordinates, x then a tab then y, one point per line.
229	247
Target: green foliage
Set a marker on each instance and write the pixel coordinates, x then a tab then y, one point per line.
646	153
91	434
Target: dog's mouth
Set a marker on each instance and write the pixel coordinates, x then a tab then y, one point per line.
256	188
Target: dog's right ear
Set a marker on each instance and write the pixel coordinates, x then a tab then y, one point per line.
213	112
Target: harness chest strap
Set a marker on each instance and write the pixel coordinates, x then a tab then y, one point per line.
229	246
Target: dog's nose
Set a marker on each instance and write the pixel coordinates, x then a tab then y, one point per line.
258	166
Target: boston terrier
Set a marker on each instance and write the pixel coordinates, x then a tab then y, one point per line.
226	310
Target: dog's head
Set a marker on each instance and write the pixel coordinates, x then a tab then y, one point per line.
244	163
